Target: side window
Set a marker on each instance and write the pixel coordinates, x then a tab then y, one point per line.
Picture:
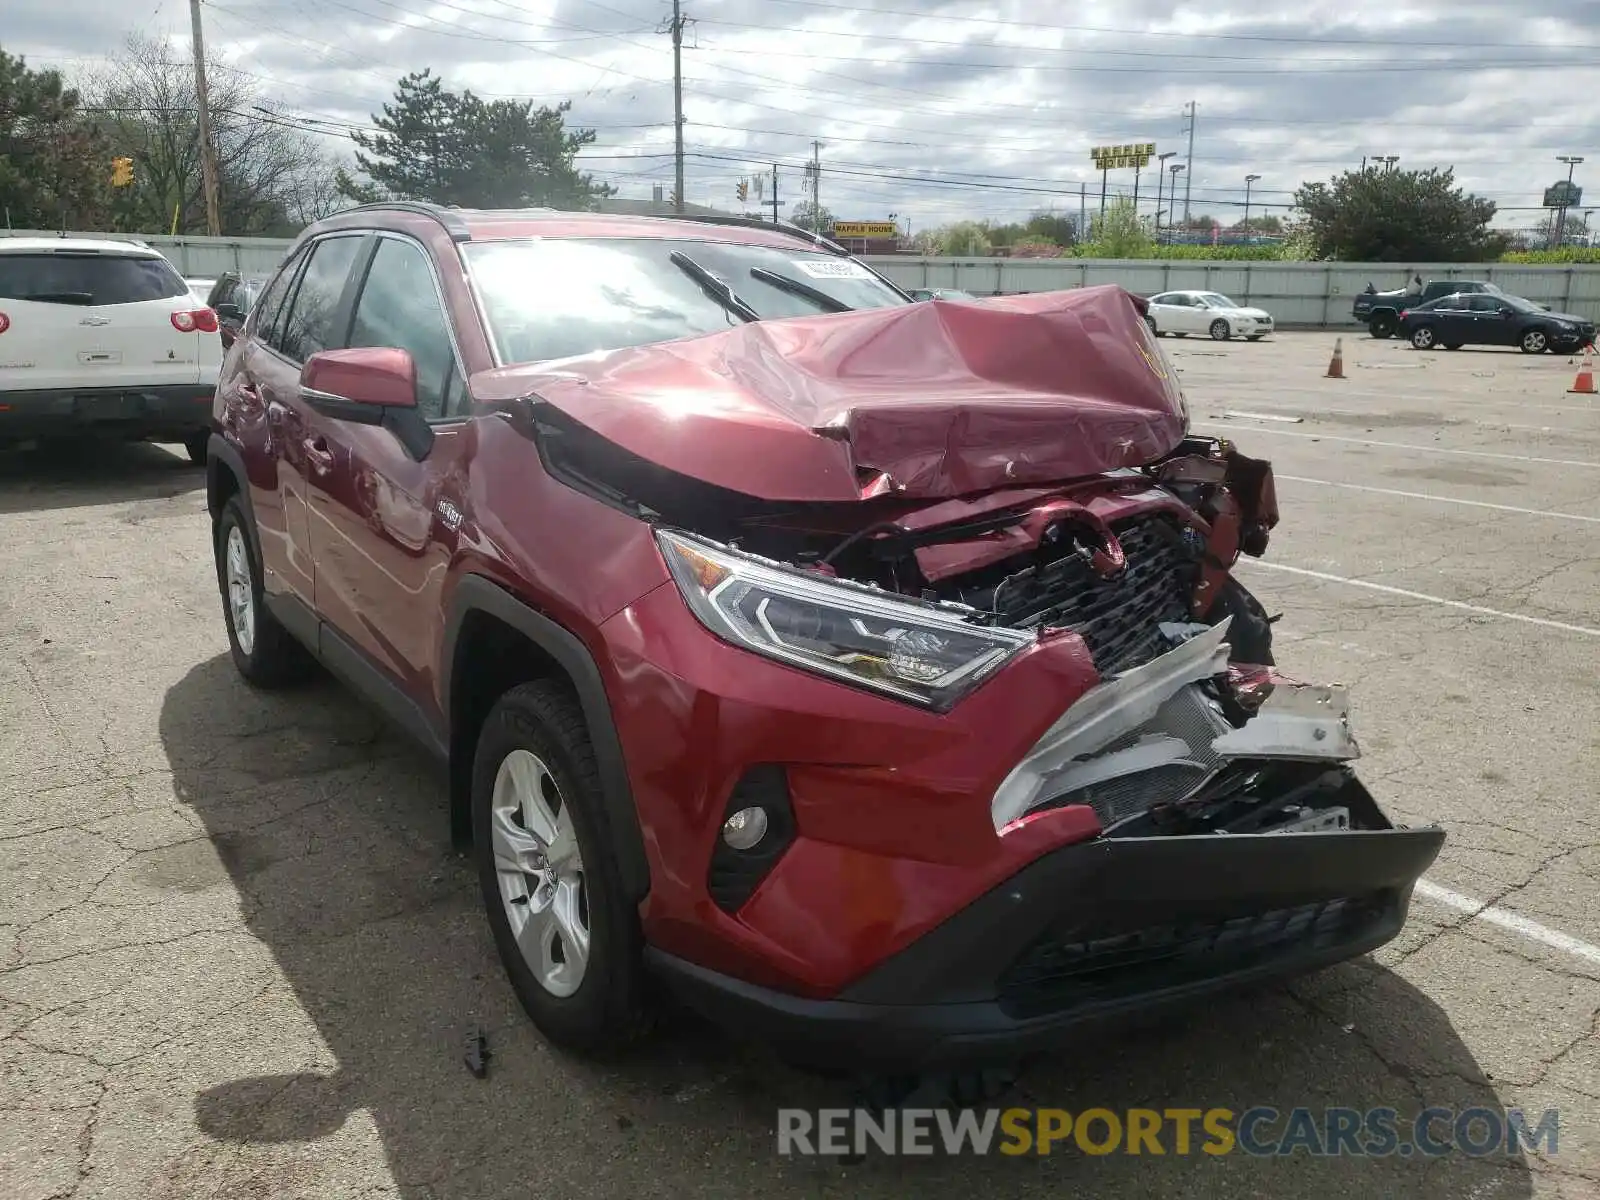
308	327
272	302
399	306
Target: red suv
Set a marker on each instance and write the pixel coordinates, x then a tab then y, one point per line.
868	671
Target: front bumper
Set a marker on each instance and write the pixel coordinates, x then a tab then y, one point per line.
1094	933
164	410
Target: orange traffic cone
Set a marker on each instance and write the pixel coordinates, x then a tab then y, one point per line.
1336	363
1584	383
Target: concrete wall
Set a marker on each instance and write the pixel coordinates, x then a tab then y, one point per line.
1308	295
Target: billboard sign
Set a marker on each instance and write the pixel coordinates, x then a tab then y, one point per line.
1109	158
865	229
1563	195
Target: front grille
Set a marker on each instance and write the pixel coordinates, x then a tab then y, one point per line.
1118	618
1056	975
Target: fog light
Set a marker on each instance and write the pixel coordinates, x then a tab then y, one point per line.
745	829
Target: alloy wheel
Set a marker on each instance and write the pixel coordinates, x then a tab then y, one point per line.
540	872
241	590
1534	341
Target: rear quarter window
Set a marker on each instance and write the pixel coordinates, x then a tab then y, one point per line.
66	277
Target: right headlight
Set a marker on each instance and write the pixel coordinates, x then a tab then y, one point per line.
914	652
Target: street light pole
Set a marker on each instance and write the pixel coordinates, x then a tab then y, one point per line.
1173	219
1248	180
1161	174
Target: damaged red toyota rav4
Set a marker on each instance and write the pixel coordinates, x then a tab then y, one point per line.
870	673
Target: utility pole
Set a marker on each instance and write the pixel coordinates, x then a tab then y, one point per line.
774	193
676	29
208	147
1083	213
816	186
1190	110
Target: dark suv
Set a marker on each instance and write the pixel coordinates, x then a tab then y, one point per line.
869	671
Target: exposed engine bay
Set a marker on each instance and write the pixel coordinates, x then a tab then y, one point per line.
1190	729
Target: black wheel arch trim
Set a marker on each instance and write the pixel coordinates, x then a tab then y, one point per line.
476	593
224	452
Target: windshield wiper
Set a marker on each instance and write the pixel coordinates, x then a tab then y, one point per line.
796	287
714	287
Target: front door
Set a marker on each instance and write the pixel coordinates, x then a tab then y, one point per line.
384	522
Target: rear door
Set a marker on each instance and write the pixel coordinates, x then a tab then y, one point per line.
89	318
311	318
382	531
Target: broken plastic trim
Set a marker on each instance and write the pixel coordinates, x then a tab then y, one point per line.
1104	713
1301	721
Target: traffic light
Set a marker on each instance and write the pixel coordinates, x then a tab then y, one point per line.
122	172
744	189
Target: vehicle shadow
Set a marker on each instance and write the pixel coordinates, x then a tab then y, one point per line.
333	832
79	473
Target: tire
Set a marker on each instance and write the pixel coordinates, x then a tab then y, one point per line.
264	652
1219	330
1151	322
534	749
1422	338
1381	326
1534	341
195	447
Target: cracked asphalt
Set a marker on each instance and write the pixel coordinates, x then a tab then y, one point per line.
238	959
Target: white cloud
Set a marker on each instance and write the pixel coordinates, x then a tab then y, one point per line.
942	110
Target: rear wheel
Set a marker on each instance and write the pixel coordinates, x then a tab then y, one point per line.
1151	322
1535	341
264	652
1422	337
1381	326
568	938
1219	330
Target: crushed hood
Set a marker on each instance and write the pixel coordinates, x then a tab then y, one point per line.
922	400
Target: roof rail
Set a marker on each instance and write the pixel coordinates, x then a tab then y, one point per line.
447	217
734	219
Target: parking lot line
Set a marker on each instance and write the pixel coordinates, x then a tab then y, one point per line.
1296	415
1545	622
1334	437
1510	508
1480	910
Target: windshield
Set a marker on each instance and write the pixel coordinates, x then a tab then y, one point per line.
1216	300
65	277
550	298
1519	304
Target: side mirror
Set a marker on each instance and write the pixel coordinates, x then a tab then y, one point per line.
1507	311
229	311
368	385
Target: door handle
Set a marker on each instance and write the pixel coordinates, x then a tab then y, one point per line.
318	454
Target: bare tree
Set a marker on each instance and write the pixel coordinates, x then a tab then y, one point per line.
274	175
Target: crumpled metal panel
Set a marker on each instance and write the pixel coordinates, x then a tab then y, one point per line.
927	400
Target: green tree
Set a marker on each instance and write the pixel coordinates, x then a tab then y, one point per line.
1053	227
808	214
1398	216
964	239
1118	233
455	148
55	169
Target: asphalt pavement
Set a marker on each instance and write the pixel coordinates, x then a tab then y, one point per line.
238	958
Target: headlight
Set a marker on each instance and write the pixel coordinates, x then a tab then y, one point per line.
915	652
1566	326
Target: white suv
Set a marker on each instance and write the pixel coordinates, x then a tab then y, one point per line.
102	338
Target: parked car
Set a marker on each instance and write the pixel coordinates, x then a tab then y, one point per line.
1185	312
941	294
102	338
232	298
1493	319
775	646
1380	311
200	289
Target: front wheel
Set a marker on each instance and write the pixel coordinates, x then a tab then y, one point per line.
1381	326
567	935
1535	341
1219	330
1422	337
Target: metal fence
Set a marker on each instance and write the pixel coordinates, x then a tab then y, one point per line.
1298	294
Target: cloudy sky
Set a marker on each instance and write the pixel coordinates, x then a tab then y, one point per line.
936	110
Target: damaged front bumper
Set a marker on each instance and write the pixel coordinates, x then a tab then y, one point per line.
1096	932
